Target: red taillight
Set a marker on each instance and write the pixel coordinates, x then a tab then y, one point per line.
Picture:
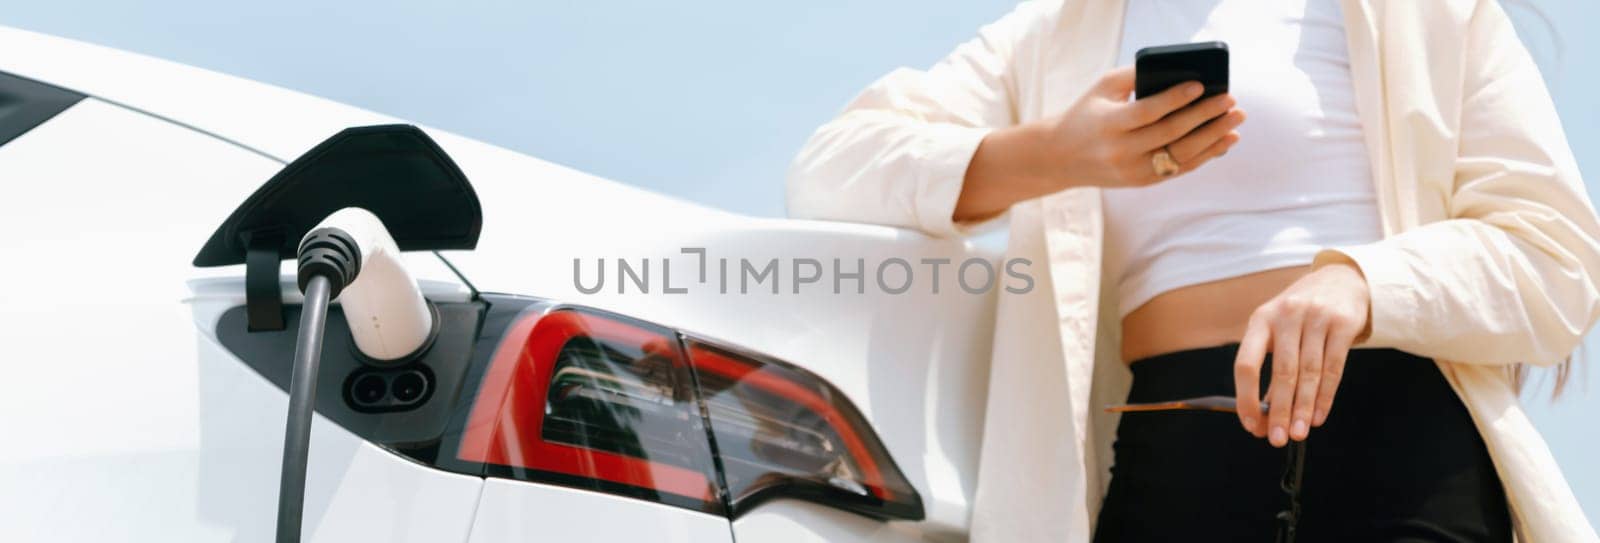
510	421
747	373
784	432
584	398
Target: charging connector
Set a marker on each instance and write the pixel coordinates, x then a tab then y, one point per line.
389	320
352	257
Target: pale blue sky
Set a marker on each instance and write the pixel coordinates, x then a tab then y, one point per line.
706	100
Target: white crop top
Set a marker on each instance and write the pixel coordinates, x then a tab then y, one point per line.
1298	180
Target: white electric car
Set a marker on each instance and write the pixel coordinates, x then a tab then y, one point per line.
609	364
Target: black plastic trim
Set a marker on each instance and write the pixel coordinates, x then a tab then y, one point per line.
395	171
262	293
25	104
418	423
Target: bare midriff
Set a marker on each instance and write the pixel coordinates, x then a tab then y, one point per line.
1203	315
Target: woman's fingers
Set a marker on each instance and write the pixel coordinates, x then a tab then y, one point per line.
1145	111
1285	373
1174	127
1313	338
1247	374
1218	148
1311	326
1341	336
1193	145
1116	83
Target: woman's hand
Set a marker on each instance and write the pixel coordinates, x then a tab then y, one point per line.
1102	140
1309	328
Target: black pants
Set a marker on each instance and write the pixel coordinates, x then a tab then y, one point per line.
1398	459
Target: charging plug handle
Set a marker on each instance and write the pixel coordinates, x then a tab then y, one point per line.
331	252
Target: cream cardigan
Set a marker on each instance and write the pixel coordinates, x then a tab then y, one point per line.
1489	259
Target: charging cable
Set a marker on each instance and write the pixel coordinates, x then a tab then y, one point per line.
329	260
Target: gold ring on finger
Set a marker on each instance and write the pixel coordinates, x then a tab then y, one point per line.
1163	163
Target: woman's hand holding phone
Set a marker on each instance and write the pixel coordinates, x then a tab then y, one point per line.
1102	140
1118	138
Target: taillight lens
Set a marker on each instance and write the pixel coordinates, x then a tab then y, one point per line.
583	398
598	401
781	431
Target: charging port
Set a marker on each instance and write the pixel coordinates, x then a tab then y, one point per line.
387	390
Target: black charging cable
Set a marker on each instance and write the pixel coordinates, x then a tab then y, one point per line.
329	260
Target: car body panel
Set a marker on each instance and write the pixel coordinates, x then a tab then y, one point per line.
521	511
117	192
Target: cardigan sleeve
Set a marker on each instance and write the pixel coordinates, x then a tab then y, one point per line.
898	153
1511	275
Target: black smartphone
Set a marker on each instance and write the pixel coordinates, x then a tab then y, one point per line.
1159	68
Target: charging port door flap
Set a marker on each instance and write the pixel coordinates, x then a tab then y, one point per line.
395	171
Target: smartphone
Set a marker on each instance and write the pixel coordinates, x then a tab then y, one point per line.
1159	68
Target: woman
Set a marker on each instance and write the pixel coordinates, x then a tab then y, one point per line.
1395	232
